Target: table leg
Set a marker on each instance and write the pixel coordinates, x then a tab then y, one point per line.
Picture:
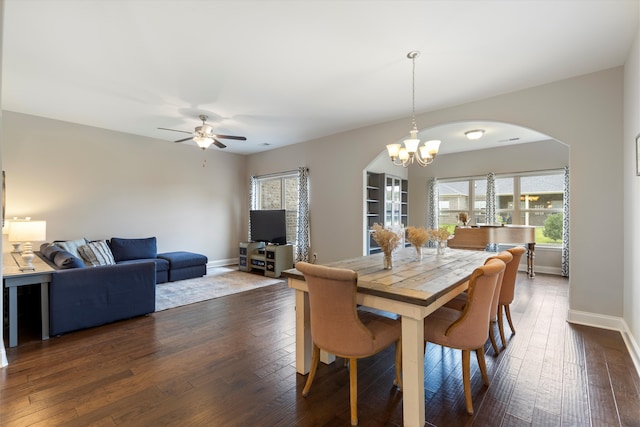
13	316
413	372
530	259
44	309
304	344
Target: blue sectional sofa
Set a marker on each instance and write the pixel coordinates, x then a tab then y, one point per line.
103	281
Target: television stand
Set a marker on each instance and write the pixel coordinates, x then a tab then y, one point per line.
271	259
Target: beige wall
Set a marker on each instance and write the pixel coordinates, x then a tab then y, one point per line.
95	183
632	195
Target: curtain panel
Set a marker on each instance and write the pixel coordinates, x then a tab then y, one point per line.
303	231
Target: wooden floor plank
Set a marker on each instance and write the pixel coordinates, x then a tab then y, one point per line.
231	362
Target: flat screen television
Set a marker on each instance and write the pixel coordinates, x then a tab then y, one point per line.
269	226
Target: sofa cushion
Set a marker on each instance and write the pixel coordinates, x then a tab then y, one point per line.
96	253
128	249
65	260
71	246
161	264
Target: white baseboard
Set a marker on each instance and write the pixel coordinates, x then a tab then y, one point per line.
547	270
3	357
222	263
612	323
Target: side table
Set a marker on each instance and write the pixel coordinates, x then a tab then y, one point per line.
13	277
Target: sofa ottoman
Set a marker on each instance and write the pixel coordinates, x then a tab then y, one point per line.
185	265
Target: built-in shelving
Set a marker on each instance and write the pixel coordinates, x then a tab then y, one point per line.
387	204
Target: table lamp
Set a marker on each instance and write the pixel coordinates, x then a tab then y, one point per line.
26	232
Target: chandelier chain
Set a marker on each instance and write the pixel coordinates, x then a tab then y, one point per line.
413	91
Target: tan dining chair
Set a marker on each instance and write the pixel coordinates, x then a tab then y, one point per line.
468	329
338	328
460	301
507	292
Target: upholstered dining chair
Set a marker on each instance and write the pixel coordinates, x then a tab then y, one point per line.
507	292
460	301
338	328
467	329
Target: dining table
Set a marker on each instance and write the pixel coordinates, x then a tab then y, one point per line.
414	287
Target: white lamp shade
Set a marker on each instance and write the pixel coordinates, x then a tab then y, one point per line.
403	154
393	150
432	146
411	145
27	231
203	141
424	153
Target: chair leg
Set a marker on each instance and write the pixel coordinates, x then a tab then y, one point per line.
492	337
312	372
483	365
466	379
508	313
501	325
398	362
353	390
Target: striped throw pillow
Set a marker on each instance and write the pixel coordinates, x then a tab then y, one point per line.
96	253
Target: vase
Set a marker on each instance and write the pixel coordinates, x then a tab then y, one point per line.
388	261
419	253
441	246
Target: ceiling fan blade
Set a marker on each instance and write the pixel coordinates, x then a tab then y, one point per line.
183	140
175	130
239	138
218	143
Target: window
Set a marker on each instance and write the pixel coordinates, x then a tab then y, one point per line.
280	192
455	197
525	199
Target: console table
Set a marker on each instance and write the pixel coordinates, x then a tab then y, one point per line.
13	278
270	258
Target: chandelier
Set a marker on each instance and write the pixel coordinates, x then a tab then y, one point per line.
412	151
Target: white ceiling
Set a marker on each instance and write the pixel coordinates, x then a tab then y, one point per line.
283	72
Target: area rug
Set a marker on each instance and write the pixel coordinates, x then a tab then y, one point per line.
217	283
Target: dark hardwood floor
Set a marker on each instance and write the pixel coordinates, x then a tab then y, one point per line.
230	362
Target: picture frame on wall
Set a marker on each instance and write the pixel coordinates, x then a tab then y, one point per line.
638	154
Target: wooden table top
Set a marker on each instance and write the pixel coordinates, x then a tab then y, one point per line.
416	281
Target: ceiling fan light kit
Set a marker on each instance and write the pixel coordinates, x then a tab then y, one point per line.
203	135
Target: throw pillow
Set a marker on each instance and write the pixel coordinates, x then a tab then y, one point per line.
71	246
128	249
49	250
96	253
64	260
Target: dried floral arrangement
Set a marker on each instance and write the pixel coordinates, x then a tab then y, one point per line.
462	217
386	238
418	236
439	235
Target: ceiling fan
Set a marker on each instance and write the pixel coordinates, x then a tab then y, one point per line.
203	135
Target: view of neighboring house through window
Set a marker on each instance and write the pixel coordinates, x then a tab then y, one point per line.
525	199
280	192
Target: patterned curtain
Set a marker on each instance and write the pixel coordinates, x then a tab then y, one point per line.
304	242
253	182
565	225
432	220
491	206
491	198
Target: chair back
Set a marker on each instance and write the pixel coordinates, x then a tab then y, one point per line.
335	325
506	257
510	274
471	329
